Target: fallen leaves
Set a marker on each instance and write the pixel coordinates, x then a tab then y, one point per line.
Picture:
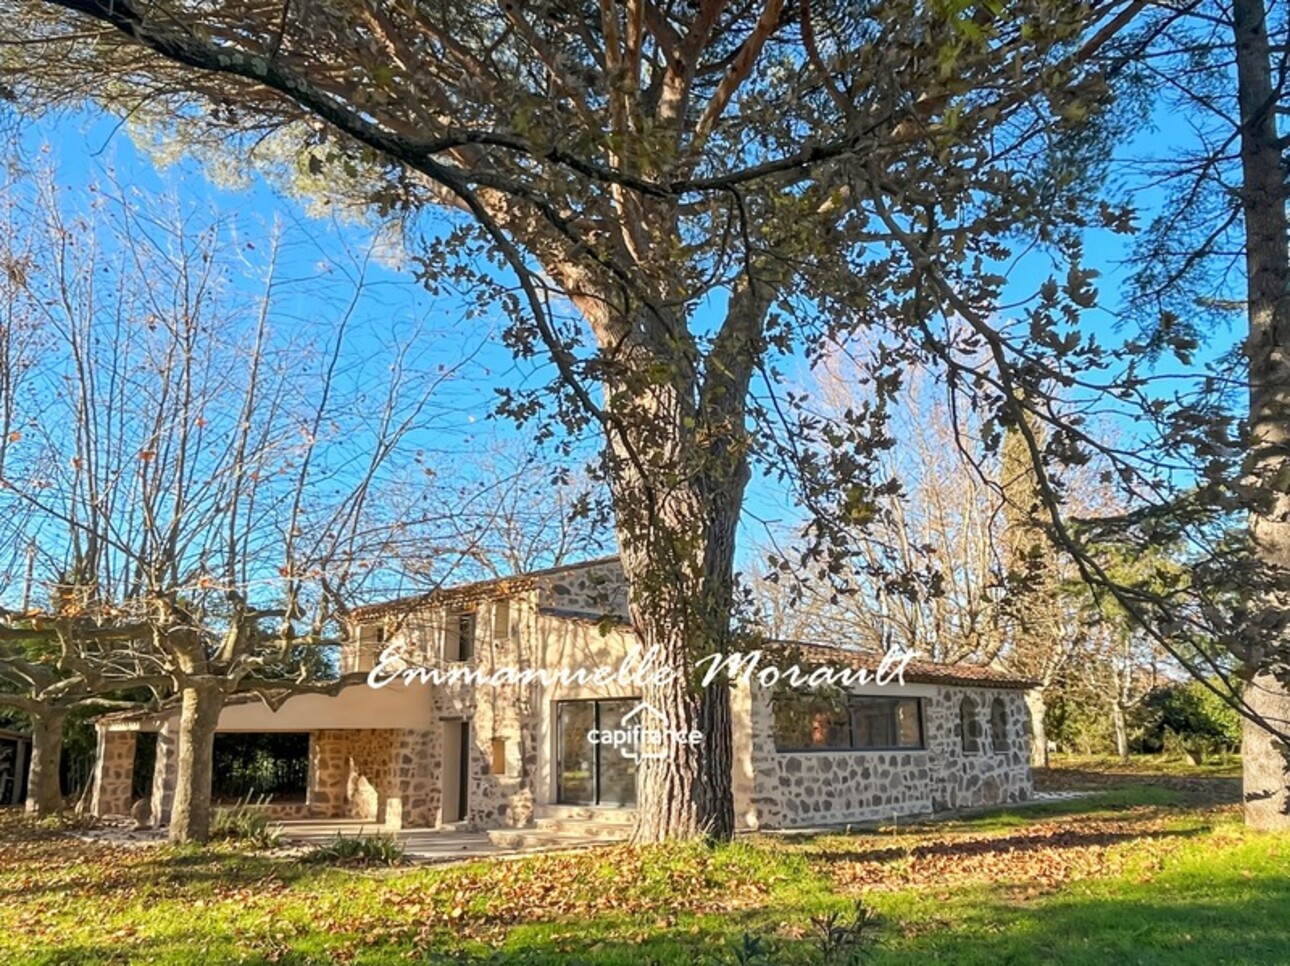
1039	858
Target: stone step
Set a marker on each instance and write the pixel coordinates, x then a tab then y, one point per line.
533	838
586	813
585	827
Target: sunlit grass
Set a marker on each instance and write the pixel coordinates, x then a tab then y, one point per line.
1133	874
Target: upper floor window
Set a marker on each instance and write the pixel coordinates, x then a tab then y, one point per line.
817	722
459	636
366	650
501	619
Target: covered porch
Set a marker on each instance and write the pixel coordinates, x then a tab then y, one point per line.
373	757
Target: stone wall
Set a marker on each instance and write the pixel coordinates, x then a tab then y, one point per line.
114	772
504	712
806	788
353	773
598	589
989	776
165	773
279	811
414	801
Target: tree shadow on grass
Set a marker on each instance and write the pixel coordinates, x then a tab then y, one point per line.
1083	931
176	870
1019	842
186	949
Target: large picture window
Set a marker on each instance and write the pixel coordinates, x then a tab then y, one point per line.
819	722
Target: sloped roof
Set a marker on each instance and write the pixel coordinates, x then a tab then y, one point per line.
916	672
494	586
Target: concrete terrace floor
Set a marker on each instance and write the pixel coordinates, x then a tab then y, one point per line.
433	845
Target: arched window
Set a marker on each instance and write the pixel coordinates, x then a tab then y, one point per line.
999	724
970	726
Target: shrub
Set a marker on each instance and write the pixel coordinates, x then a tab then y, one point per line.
246	824
845	940
359	850
1186	718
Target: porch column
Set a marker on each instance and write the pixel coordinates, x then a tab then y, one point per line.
413	800
113	771
20	772
328	773
166	772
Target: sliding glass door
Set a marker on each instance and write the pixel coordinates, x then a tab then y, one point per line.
588	773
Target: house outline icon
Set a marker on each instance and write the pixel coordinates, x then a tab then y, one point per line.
661	725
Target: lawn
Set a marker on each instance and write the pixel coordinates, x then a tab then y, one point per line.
1152	868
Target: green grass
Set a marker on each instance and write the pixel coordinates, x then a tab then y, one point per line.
1221	765
1135	874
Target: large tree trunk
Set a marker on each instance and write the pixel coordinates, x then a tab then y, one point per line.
683	607
1268	281
687	793
44	788
1036	707
190	816
678	469
1265	772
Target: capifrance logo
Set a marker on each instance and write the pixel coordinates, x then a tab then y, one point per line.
643	733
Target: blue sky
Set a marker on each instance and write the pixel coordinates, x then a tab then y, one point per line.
88	149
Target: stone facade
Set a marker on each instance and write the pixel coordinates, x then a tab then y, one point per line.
114	773
414	801
997	773
165	771
601	589
396	773
351	774
811	788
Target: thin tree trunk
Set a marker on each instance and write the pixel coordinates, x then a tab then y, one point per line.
1036	707
44	788
1121	731
1268	282
190	816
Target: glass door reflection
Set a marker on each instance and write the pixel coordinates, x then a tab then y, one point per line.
588	773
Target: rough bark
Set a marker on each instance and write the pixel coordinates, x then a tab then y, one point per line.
44	789
688	792
190	816
1265	772
1268	282
1036	708
680	470
681	568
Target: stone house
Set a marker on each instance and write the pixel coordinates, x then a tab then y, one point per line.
416	741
